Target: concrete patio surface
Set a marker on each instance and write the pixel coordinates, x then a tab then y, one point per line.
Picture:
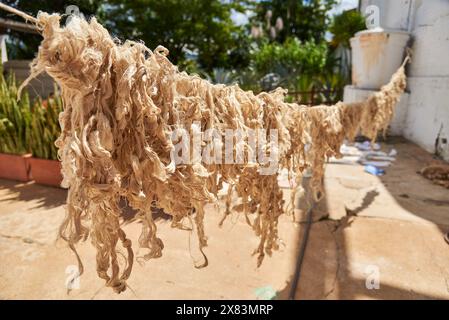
389	227
371	238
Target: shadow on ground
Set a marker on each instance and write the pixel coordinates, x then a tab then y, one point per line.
44	198
374	250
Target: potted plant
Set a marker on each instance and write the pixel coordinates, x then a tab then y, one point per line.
15	118
45	129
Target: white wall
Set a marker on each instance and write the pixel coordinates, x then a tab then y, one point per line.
394	14
428	114
426	120
431	39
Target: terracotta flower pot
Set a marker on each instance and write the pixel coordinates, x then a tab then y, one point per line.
15	167
47	172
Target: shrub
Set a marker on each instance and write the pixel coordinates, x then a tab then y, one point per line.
15	118
290	58
45	127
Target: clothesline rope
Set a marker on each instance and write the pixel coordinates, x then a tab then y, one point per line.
21	14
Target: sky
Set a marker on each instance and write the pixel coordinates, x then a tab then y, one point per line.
344	5
240	18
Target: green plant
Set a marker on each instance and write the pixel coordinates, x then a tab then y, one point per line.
332	85
248	79
344	26
15	118
290	60
304	84
27	127
45	127
223	76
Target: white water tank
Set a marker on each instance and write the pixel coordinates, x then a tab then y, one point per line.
376	55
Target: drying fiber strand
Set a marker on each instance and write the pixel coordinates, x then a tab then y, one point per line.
123	104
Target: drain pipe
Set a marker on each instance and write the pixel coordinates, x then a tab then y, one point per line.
308	197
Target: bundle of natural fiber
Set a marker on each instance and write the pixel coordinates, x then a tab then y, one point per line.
124	111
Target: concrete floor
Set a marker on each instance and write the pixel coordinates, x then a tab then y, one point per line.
369	231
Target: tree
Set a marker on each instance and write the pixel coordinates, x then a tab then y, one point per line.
203	29
344	26
303	19
23	45
290	60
